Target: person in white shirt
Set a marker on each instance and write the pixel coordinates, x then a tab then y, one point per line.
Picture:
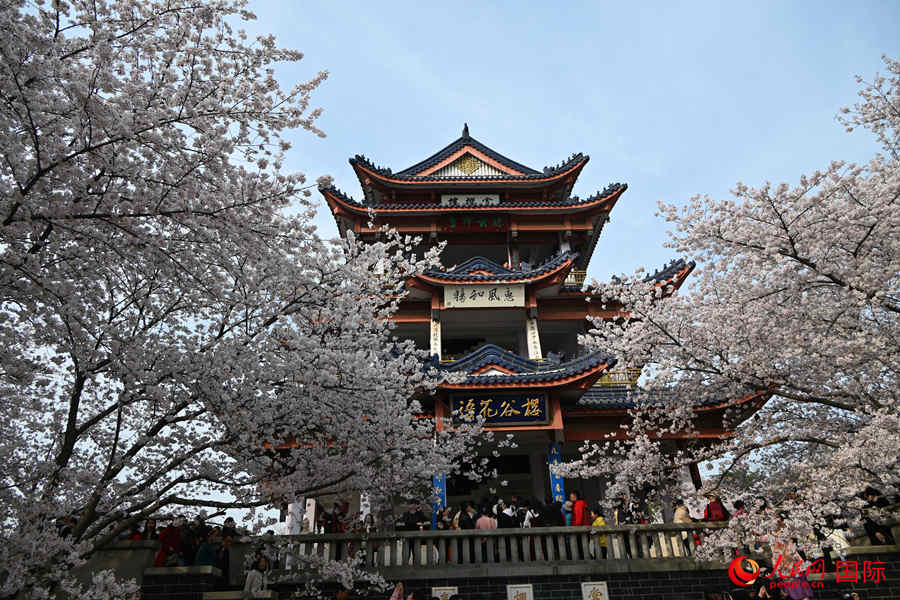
256	582
838	542
532	517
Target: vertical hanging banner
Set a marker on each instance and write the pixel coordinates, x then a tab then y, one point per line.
439	492
436	337
557	487
534	339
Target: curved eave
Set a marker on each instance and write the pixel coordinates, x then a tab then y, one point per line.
554	275
583	379
367	176
586	256
681	275
675	281
338	205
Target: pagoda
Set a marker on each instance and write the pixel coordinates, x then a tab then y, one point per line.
506	305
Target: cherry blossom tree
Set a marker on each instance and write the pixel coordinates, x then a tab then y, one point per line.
173	333
796	298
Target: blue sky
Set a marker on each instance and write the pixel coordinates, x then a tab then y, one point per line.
674	99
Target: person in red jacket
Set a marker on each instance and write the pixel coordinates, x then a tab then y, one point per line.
715	510
581	516
170	539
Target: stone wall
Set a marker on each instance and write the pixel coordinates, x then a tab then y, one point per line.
684	585
128	560
179	583
657	584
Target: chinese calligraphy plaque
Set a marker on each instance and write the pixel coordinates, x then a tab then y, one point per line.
502	409
484	296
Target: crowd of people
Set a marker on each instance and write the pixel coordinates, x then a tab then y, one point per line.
197	543
518	512
337	519
186	543
495	513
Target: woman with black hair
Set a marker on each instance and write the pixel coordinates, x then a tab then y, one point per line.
149	532
256	579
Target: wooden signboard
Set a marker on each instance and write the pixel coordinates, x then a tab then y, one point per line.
484	296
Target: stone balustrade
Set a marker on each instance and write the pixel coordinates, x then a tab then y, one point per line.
471	553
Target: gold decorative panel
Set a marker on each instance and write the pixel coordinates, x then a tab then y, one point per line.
467	163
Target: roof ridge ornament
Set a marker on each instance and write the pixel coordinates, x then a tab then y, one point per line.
466	130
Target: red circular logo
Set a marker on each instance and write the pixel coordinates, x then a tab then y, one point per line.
743	571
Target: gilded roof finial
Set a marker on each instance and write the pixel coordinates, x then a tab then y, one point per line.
465	130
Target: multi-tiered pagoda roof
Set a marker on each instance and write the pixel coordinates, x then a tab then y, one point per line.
508	303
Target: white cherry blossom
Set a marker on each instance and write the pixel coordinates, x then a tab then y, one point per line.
797	295
168	314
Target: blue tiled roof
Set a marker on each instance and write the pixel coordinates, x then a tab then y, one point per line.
626	397
668	271
458	144
464	271
609	189
612	397
464	140
524	370
568	201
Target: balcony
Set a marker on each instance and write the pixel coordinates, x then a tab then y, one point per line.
627	376
576	277
481	553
